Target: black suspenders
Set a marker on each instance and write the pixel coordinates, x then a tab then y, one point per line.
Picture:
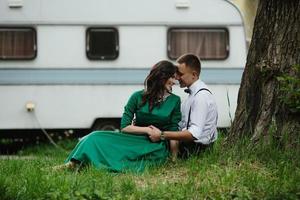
187	124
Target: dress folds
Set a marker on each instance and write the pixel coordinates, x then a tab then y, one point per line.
120	151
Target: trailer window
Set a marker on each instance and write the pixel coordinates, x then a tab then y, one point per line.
208	44
102	43
17	43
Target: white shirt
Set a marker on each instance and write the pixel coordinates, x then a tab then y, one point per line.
204	114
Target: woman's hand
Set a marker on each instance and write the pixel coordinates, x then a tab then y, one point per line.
155	134
149	131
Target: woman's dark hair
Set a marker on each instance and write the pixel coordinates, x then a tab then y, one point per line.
155	83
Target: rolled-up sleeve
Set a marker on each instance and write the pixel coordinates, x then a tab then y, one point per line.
198	116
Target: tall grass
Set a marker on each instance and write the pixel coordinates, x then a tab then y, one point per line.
240	171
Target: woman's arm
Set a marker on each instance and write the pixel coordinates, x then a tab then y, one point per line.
128	115
139	130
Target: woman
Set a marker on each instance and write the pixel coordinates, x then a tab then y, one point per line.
131	149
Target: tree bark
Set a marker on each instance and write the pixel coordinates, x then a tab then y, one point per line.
274	49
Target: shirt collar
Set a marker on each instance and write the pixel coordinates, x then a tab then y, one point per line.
196	86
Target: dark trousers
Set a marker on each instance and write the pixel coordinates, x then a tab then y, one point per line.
187	149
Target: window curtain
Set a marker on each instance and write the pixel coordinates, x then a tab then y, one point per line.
205	44
17	44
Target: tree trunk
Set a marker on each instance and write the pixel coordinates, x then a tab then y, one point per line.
274	49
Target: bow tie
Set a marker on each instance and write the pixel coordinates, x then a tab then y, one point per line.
188	91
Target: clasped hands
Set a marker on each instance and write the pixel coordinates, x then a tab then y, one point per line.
154	133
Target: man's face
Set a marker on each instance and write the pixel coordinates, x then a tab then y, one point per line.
185	75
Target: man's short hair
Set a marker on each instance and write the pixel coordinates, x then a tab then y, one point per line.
191	61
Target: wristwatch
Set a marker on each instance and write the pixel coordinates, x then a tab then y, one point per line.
162	135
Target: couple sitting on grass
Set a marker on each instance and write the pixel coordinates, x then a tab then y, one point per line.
160	129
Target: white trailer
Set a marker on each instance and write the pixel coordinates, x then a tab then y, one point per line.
74	63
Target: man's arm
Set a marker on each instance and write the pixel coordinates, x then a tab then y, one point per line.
157	135
178	135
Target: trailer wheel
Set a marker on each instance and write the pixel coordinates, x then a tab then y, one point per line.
107	125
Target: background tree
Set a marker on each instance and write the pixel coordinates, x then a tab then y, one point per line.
266	103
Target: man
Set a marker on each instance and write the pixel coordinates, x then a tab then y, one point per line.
199	112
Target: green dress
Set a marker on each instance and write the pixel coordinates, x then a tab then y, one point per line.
120	151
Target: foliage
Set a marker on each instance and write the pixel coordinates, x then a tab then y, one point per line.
290	88
236	172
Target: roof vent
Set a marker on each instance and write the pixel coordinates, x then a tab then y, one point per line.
15	3
182	4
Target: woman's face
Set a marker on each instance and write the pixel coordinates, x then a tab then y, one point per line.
169	83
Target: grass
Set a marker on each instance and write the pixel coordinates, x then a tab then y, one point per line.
240	171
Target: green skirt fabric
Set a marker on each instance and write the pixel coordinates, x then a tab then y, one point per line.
119	152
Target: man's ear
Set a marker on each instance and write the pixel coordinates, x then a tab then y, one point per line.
195	74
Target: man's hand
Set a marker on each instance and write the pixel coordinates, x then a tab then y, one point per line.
155	133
